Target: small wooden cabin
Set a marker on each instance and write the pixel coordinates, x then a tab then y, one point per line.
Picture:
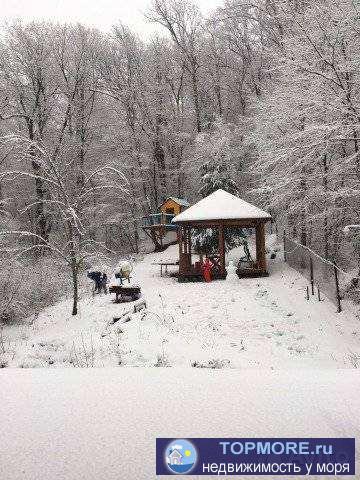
157	225
174	206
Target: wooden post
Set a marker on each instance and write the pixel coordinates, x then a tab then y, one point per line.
222	249
312	275
136	237
189	245
184	250
260	247
183	240
338	297
181	253
178	238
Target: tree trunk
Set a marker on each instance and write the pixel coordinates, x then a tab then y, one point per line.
156	194
136	237
196	100
74	267
75	280
326	220
41	220
159	159
217	89
81	132
303	219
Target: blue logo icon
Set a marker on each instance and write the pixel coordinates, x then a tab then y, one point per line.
180	456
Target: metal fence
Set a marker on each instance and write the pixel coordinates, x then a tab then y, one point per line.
324	276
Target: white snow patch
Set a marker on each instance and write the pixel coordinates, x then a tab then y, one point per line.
102	423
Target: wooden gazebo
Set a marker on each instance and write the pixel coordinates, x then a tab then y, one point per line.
220	210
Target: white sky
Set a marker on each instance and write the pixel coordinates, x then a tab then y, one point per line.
99	13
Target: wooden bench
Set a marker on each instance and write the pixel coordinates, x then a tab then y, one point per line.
121	292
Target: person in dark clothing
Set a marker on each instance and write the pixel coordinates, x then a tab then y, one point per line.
97	278
104	282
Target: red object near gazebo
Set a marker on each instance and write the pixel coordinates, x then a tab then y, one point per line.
206	268
220	210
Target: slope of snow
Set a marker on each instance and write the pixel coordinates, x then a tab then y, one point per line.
248	323
101	424
220	205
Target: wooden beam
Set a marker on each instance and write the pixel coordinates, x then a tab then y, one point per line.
240	222
260	247
189	246
184	261
222	249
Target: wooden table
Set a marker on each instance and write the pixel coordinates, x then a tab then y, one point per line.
166	265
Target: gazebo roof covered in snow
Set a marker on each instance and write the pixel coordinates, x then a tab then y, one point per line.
221	205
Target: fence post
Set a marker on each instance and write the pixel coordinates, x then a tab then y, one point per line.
311	275
284	240
338	298
319	297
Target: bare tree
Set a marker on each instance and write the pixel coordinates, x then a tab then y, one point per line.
70	239
184	23
29	92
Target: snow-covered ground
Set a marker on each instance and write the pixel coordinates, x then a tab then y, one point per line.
101	424
248	323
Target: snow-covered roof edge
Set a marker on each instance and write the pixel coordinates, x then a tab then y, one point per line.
180	201
221	205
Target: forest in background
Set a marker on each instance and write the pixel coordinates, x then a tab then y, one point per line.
97	129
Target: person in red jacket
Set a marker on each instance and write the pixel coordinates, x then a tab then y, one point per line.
206	268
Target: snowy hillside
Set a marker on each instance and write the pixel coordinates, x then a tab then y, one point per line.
248	323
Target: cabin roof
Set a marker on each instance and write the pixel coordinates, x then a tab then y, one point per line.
221	205
180	201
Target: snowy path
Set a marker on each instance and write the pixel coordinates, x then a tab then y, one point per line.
248	323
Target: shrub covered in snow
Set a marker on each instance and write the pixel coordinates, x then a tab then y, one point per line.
26	288
215	363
